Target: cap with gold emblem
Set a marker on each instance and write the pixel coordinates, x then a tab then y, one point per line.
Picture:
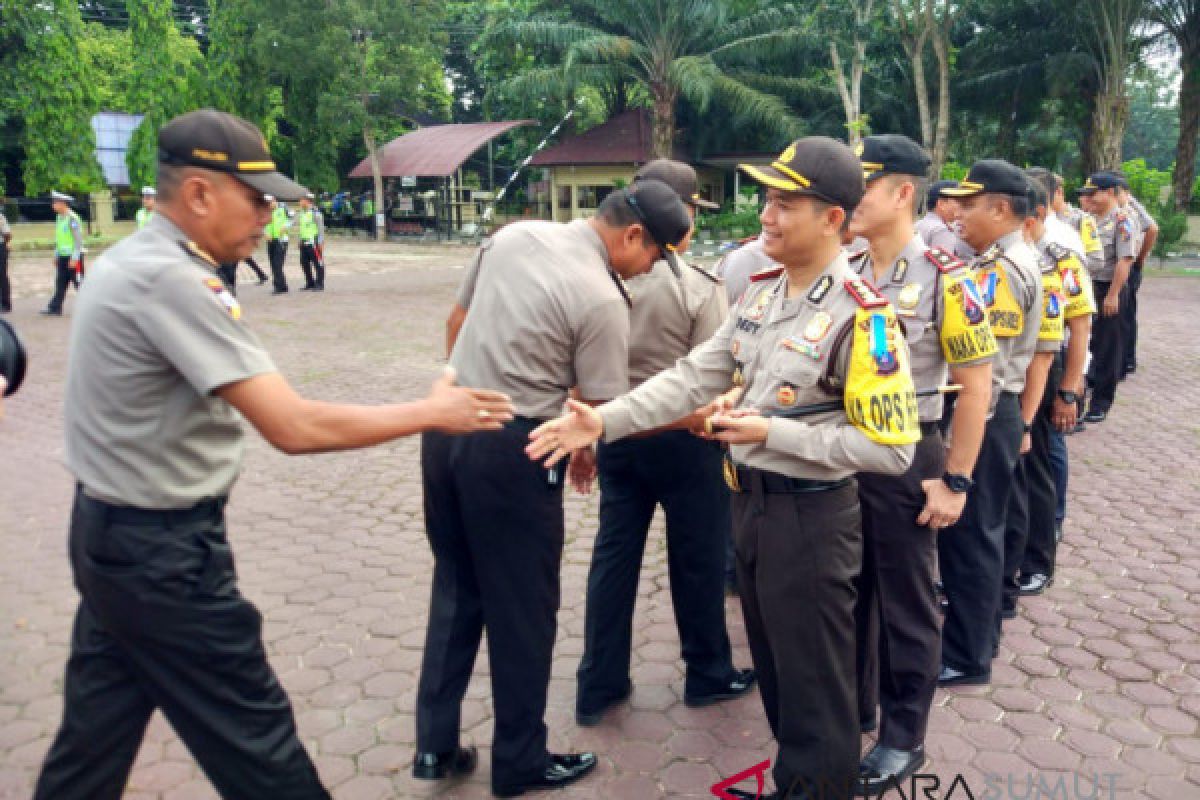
991	176
218	141
817	166
680	177
892	154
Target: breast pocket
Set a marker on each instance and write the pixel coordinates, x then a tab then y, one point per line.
794	380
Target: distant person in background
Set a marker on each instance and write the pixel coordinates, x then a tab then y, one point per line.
146	212
938	228
5	238
68	251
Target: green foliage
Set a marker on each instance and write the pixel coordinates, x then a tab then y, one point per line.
106	51
51	90
954	171
161	81
728	219
1152	187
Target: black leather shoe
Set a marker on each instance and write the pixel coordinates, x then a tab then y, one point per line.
561	770
590	719
887	766
308	288
1009	613
738	685
50	312
949	676
1035	583
1092	417
438	766
261	281
279	291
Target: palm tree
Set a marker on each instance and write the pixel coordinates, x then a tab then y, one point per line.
1181	20
699	51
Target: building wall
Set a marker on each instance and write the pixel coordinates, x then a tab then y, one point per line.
576	191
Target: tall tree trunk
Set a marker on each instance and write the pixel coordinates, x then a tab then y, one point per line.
1189	127
1109	118
916	57
376	179
662	137
940	38
849	90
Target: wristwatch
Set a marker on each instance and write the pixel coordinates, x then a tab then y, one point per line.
1027	427
959	484
1067	396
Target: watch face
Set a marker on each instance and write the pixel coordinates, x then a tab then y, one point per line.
1068	397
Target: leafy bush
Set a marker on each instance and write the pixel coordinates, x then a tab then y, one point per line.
1150	186
727	219
953	171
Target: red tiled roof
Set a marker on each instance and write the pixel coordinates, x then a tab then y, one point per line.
624	139
436	151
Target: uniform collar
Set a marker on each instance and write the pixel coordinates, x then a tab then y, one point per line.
161	225
1010	240
583	228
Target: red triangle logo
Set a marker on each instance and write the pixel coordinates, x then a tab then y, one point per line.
758	771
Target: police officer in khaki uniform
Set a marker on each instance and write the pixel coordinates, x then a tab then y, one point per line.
154	439
672	468
938	227
946	326
545	311
1117	235
1147	236
994	200
1033	500
809	331
1063	383
736	267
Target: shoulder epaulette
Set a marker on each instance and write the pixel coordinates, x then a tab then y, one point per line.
193	250
864	293
1057	251
766	274
857	254
704	272
945	262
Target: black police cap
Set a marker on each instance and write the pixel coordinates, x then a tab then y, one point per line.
218	141
816	166
12	358
892	154
935	191
679	176
991	176
1099	181
662	214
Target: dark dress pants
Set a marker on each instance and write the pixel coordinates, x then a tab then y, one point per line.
1107	355
899	637
64	276
799	554
1040	544
971	552
5	287
314	269
161	624
1129	324
276	253
495	523
683	474
228	275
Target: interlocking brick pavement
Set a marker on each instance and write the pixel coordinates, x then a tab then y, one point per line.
1097	679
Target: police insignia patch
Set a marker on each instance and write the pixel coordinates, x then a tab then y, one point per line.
909	296
820	289
900	271
804	348
224	296
786	395
818	326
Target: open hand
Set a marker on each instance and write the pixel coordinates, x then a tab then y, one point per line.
1112	304
579	427
457	409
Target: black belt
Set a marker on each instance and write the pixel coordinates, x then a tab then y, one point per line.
150	517
775	483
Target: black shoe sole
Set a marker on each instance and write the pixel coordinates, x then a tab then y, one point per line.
968	680
460	768
517	791
871	789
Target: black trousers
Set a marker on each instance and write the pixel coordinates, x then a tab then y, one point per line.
1038	553
314	268
276	253
495	523
899	637
1107	353
798	556
256	269
161	624
64	276
5	287
971	552
1129	324
683	474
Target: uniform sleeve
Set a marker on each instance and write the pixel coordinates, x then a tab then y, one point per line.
77	236
193	325
944	239
1091	237
695	379
602	351
712	313
1126	238
1144	218
837	446
962	323
466	292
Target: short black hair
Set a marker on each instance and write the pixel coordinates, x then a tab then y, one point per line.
615	211
1045	179
1018	206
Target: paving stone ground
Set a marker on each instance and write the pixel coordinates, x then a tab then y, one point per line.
1099	679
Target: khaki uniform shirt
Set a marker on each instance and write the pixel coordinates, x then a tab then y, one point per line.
936	233
1142	219
669	317
1015	318
544	313
782	347
155	332
1085	224
737	267
916	286
1118	237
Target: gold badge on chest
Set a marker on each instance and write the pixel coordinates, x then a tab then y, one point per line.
818	326
785	395
909	296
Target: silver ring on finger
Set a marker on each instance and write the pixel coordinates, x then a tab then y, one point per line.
483	414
